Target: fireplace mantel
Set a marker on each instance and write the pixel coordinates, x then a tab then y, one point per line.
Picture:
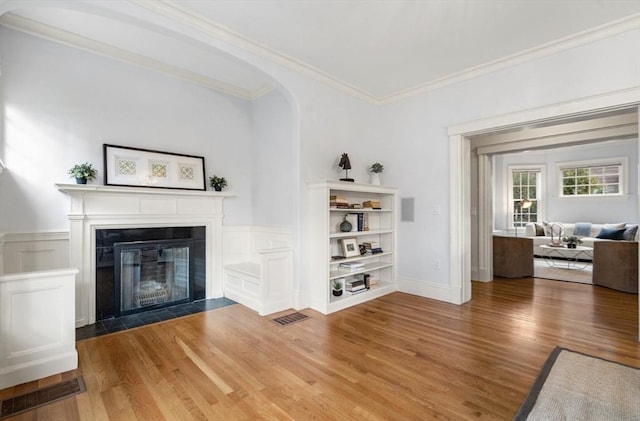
102	207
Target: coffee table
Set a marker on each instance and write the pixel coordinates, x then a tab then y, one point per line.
580	257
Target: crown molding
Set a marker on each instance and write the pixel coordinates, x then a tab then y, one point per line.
70	39
178	13
584	37
171	9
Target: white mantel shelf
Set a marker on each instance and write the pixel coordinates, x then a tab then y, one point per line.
94	207
72	189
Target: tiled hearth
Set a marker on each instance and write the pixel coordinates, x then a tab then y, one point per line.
103	327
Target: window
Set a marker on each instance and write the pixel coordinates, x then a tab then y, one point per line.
525	185
593	178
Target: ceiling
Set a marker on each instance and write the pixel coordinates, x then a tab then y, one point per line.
377	50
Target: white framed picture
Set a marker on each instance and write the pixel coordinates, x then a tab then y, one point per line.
350	247
136	167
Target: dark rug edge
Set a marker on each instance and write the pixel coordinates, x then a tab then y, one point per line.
532	395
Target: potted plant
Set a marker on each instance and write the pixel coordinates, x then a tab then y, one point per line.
572	241
336	287
218	183
83	172
375	169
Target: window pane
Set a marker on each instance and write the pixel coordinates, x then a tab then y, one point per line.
611	170
569	173
597	189
584	181
612	189
569	191
583	190
597	170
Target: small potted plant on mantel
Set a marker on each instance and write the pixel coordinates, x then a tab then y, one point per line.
375	170
83	172
572	241
218	183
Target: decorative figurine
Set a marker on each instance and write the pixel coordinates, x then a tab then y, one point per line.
345	164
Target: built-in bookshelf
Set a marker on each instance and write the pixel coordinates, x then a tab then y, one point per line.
375	228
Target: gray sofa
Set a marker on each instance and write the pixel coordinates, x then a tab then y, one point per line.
533	231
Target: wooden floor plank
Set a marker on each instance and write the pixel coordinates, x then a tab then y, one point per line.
399	357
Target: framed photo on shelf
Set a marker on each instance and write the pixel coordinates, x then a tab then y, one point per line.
135	167
350	247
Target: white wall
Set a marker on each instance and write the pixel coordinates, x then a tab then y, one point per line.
409	137
61	105
418	127
273	161
593	209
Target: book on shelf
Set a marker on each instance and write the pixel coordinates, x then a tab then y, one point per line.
362	221
351	265
338	202
372	247
371	204
355	285
364	278
358	291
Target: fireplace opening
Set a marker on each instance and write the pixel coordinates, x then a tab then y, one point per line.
151	274
140	269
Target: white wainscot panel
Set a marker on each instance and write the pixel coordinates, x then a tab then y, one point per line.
37	325
32	252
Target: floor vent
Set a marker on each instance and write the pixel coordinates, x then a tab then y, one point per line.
290	318
43	396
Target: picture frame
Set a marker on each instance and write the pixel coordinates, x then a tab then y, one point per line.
350	247
137	167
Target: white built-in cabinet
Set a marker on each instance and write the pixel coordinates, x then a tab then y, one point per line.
325	242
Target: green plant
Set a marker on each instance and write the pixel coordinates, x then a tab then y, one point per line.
336	284
217	183
85	171
376	167
572	240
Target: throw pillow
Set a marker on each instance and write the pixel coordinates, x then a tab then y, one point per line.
582	229
610	234
630	231
539	230
615	226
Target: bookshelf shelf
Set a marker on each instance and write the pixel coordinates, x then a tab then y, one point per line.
325	236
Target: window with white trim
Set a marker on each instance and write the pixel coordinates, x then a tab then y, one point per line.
593	178
525	184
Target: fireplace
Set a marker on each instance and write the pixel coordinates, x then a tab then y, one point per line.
95	208
141	269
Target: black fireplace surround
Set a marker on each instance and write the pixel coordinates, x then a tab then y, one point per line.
151	246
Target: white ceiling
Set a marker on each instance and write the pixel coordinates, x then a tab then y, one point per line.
378	49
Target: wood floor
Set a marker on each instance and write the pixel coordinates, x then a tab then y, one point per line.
400	357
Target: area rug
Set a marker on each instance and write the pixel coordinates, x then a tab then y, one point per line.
575	386
582	275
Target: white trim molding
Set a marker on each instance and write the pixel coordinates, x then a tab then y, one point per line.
460	171
69	39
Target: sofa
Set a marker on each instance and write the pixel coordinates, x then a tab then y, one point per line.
540	233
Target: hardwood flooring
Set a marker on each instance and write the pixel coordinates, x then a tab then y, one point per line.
400	357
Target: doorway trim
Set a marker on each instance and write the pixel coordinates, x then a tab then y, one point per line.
460	205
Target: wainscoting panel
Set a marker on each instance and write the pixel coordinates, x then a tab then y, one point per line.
31	252
37	325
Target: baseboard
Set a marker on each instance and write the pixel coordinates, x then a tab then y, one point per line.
425	289
35	370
